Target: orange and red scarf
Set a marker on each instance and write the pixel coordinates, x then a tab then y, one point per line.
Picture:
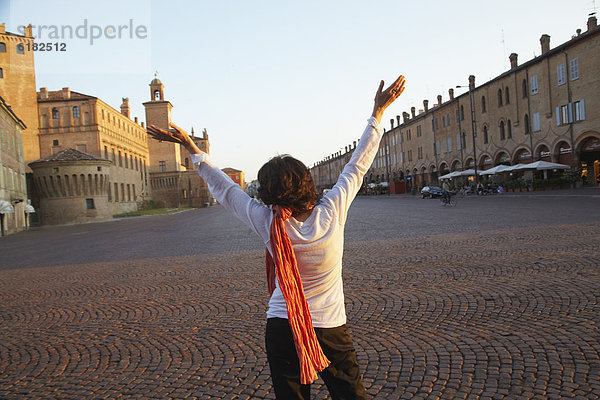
284	262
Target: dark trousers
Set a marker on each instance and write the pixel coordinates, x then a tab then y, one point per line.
342	377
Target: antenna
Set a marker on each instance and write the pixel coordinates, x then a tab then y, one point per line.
593	8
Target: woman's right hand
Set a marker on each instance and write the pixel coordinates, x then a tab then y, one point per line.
383	98
174	135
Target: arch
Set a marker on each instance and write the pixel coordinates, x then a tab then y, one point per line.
469	162
521	155
585	140
499	97
2	47
563	152
542	152
502	130
20	49
444	169
157	94
455	165
485	162
502	157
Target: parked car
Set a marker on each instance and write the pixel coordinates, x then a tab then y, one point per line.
431	192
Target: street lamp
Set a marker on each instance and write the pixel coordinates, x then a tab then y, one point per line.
472	127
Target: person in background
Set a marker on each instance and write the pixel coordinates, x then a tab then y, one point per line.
306	329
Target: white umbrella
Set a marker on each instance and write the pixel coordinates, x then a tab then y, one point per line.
384	184
451	175
541	165
497	169
29	209
6	207
470	172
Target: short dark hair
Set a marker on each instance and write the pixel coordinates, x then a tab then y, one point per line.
285	181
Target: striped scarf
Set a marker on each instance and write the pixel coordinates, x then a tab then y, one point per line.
284	262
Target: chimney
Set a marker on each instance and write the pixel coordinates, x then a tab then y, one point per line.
513	60
398	119
3	28
451	94
405	116
426	105
412	111
592	23
471	82
578	32
392	123
545	42
125	107
142	124
66	93
28	31
193	131
43	92
136	120
345	149
354	143
439	100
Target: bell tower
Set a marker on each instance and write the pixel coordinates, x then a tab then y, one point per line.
164	156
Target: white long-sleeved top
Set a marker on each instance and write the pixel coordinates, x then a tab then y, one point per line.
318	242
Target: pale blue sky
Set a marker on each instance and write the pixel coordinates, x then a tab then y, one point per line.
297	77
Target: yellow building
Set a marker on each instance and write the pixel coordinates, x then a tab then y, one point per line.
17	85
545	109
74	120
14	208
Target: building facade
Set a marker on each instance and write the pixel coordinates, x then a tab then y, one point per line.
236	175
545	109
173	179
14	207
85	123
17	85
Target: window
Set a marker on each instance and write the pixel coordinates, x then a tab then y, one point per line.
1	73
106	152
76	113
524	88
509	129
187	162
445	145
2	47
502	132
90	204
579	110
120	159
483	107
54	113
526	120
419	131
499	97
457	115
534	84
560	73
485	134
458	142
20	49
449	144
506	96
116	192
156	95
574	69
55	142
536	122
162	166
462	113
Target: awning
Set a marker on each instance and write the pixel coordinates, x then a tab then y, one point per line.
6	207
29	209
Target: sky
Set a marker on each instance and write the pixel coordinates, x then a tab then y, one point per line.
283	77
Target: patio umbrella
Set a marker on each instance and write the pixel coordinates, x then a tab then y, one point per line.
451	175
6	207
541	165
470	172
497	169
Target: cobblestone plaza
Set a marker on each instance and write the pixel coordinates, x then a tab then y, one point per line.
496	298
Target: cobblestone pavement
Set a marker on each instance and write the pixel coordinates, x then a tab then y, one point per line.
496	298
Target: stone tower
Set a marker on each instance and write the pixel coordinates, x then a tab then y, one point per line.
164	156
17	85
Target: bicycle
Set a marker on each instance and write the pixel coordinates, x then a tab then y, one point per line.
448	199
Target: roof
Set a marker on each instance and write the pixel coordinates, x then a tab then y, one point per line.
230	170
11	113
69	155
156	81
57	95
